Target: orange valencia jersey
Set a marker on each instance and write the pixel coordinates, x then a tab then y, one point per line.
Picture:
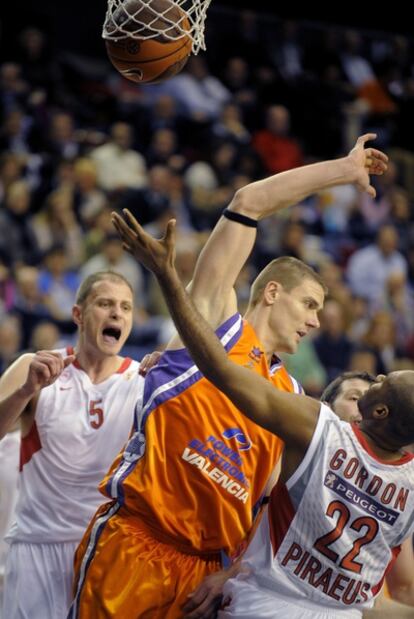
195	468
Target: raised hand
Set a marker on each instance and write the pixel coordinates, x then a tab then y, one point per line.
44	369
156	255
367	161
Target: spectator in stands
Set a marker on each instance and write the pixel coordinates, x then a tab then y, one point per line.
332	344
278	150
229	126
11	169
286	51
163	149
18	243
381	339
45	336
151	201
200	95
398	302
376	211
15	131
28	304
362	359
88	196
61	140
119	165
56	223
237	79
369	268
13	88
58	284
10	340
113	258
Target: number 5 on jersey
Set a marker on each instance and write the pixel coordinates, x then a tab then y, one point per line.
96	414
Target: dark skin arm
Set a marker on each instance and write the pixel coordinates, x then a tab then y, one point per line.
291	417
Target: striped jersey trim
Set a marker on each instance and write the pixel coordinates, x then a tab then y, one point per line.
159	386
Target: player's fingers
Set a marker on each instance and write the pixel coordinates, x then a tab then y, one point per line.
371	191
366	137
41	371
169	236
122	228
127	248
378	154
133	222
68	360
53	360
195	599
149	361
206	610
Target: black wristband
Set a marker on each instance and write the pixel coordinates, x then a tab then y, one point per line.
240	219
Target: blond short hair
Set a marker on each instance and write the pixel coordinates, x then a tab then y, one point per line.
288	271
86	286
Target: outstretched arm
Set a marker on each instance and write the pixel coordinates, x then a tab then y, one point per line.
230	243
292	417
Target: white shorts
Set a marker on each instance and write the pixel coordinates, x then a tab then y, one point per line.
38	580
248	601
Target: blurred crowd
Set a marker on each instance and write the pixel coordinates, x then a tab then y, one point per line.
78	141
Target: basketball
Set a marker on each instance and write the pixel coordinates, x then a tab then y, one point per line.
153	59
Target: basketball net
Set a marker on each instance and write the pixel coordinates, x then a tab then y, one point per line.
141	20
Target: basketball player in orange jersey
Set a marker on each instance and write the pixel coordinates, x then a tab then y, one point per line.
76	410
185	489
344	502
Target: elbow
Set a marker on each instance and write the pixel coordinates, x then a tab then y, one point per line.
245	202
402	593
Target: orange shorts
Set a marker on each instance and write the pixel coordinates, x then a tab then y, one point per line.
122	572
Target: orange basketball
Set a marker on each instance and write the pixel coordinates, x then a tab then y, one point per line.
152	59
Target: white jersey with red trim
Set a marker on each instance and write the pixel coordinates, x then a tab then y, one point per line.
331	531
78	430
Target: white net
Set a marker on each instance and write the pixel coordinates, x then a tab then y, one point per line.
164	20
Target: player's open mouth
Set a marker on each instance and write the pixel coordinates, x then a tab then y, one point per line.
301	333
111	334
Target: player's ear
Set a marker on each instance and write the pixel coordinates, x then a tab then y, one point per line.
381	411
271	292
77	315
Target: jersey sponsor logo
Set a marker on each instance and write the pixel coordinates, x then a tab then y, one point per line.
242	439
216	475
64	388
352	495
351	469
215	451
256	354
222	464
